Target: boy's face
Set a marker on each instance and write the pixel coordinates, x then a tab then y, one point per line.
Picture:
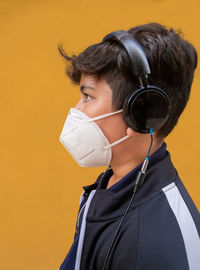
96	100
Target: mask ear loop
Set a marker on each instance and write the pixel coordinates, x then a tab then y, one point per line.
138	182
117	142
103	116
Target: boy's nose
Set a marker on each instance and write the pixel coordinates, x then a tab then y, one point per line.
78	106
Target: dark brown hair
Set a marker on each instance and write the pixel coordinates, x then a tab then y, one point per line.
171	58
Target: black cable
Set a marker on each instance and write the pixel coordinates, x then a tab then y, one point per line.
138	182
108	254
151	133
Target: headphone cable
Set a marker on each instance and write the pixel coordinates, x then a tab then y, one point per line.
138	182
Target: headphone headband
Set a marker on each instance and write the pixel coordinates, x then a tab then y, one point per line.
136	54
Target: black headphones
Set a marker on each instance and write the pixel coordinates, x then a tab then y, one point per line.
146	107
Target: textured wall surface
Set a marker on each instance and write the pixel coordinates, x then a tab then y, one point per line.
40	182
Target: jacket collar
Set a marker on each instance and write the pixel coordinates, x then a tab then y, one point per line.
107	203
127	179
103	178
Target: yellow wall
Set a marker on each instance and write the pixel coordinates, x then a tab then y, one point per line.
40	182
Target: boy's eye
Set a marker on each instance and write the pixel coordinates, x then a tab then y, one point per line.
87	97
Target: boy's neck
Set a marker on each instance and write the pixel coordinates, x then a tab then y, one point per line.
121	170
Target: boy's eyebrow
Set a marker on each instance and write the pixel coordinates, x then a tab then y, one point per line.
83	87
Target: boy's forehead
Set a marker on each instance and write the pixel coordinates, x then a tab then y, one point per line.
86	78
91	82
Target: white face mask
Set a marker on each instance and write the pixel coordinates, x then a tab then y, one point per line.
85	141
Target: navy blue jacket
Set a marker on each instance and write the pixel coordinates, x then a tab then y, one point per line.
161	229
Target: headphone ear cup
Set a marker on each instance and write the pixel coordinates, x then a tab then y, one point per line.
146	108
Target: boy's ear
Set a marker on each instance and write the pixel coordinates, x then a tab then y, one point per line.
130	131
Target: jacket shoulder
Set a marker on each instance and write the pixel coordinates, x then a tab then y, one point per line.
169	231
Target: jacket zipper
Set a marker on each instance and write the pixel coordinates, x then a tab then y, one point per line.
78	219
79	214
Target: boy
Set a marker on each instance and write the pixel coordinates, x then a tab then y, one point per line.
138	214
